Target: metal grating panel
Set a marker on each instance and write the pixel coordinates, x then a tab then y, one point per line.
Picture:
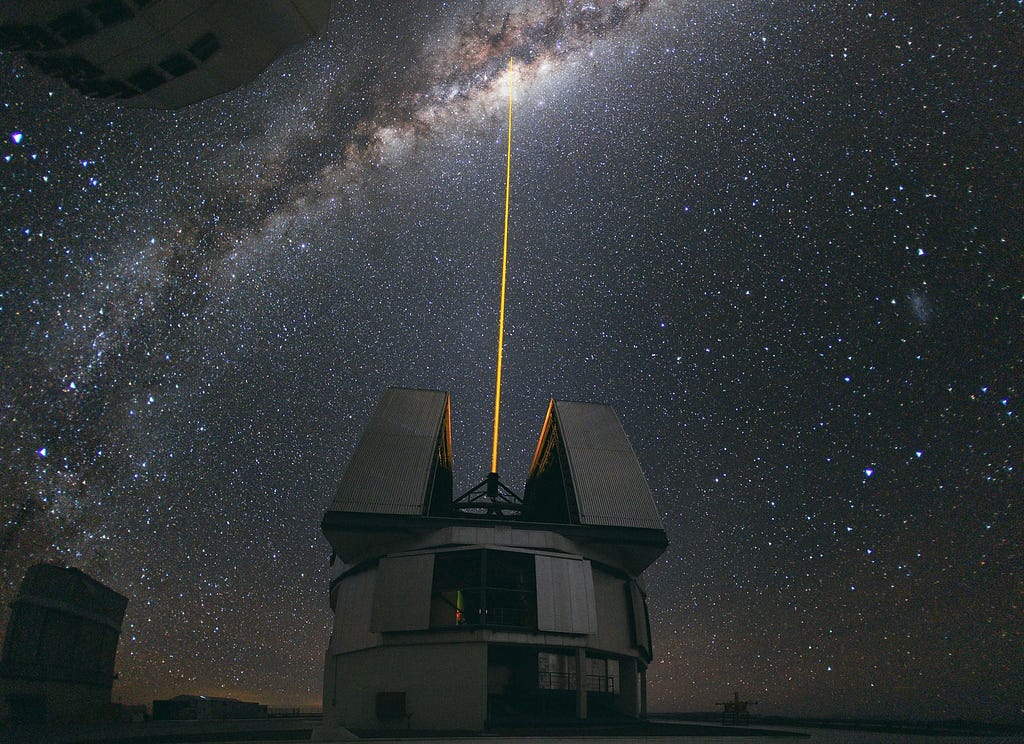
390	470
565	595
606	476
641	623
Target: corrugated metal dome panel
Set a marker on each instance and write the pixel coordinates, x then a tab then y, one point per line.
609	484
390	470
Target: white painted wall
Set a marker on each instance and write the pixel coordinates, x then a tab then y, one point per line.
432	677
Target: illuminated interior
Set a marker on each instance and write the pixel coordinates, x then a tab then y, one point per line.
483	587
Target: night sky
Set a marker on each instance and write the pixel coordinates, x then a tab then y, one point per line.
782	239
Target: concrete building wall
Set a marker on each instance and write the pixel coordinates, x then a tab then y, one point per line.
430	675
38	700
629	701
353	612
401	596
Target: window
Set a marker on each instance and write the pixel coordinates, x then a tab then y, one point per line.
177	65
70	68
29	38
456	592
204	47
602	675
557	671
105	88
483	587
110	12
146	79
72	26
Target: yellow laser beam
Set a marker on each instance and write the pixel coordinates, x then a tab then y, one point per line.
504	271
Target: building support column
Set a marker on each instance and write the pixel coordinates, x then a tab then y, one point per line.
643	690
581	683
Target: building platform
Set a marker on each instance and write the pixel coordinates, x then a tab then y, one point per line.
304	729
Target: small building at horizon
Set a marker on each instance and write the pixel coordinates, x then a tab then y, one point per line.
487	608
59	650
206	708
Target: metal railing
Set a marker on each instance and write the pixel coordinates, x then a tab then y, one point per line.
505	607
567	681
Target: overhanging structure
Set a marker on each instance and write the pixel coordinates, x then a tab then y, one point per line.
157	54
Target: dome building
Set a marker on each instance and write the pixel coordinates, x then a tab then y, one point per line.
488	609
59	649
153	53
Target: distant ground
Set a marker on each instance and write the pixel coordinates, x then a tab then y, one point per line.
300	729
662	728
167	732
921	728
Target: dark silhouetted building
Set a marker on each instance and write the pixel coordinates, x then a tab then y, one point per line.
58	655
157	53
203	708
485	609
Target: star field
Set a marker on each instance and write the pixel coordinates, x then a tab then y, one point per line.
782	239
